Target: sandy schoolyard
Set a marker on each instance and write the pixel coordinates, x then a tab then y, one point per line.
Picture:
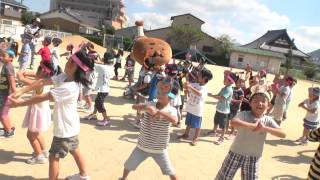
107	148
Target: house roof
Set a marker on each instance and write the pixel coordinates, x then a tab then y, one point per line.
315	53
188	14
73	15
270	36
258	52
14	3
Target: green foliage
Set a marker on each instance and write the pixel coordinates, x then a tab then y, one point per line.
127	42
311	71
96	39
109	30
184	36
27	17
224	47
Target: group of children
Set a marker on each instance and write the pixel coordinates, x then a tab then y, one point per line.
245	109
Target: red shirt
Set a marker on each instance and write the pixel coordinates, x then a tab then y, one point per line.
45	54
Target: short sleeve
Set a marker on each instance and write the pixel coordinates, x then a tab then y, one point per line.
61	94
9	70
226	92
172	111
269	122
40	51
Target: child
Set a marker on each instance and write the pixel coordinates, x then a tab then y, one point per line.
289	99
45	51
69	49
129	67
235	102
117	65
103	87
311	120
55	53
154	134
223	107
314	136
7	86
25	55
280	101
196	93
247	147
38	116
65	116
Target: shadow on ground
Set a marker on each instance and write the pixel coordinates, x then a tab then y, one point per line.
301	158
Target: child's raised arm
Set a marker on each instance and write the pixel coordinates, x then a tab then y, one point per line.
238	123
314	135
34	100
35	85
23	76
188	87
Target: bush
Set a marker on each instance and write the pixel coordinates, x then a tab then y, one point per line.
127	43
96	39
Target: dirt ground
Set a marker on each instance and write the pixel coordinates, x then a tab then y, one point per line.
107	148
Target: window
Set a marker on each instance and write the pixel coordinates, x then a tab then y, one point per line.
240	58
8	22
207	49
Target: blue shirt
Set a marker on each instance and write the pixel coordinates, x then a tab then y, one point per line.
223	105
26	50
153	88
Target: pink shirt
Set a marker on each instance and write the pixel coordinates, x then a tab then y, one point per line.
45	54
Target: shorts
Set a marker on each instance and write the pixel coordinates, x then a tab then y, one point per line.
233	113
61	146
4	107
310	125
99	102
193	121
220	119
86	91
277	112
138	156
130	75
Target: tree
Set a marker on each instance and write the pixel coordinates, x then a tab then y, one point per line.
184	36
225	45
310	70
288	63
109	30
27	17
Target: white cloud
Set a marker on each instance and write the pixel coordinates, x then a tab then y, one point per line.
243	20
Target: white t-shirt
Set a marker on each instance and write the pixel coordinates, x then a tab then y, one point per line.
282	99
55	56
195	103
29	29
147	78
104	73
312	117
65	116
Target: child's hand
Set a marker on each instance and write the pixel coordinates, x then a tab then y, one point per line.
16	95
301	105
260	127
151	110
14	102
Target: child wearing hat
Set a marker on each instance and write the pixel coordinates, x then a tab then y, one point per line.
224	98
154	134
247	147
311	119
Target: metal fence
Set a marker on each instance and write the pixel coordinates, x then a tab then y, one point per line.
53	34
113	42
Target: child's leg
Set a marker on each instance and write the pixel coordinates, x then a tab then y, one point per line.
5	121
137	156
305	132
230	166
249	168
80	161
33	139
53	167
196	134
164	162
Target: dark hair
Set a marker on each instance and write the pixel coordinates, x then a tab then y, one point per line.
47	39
80	75
50	69
108	58
56	41
90	45
205	73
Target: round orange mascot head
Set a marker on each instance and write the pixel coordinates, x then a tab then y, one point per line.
152	53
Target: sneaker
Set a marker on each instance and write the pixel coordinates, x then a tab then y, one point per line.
7	134
91	117
37	160
220	141
303	142
78	177
45	153
103	123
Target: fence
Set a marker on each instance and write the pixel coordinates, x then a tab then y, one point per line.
8	30
113	42
53	34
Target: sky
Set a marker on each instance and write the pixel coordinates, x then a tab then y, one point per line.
243	20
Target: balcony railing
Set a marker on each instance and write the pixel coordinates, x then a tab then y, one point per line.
8	29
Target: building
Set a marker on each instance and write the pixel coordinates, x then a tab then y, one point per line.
279	41
315	56
101	13
68	21
10	15
257	58
263	52
10	12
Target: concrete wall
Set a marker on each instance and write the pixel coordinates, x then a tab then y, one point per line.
258	62
63	25
187	19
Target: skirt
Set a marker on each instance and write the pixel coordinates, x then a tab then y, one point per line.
37	118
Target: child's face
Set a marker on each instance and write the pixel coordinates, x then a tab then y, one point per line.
240	83
5	58
226	81
163	99
259	104
201	79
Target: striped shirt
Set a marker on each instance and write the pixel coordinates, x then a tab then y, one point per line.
154	134
314	171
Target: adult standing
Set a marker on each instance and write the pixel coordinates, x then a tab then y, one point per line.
32	32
